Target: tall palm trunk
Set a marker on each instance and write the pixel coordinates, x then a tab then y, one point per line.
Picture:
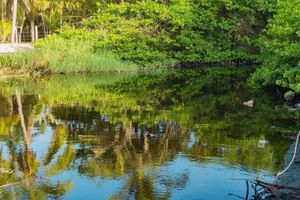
32	30
22	119
61	13
14	22
3	10
11	106
21	29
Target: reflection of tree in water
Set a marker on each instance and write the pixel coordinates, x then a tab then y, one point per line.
141	185
115	150
132	151
128	132
21	175
210	102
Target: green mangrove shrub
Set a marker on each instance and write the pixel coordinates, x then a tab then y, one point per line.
281	49
181	31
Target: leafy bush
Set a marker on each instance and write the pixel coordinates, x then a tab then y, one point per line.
5	31
135	32
181	31
281	49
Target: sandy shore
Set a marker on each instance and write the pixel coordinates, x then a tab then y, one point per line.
12	48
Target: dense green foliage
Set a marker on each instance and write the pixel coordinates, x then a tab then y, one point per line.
281	49
181	31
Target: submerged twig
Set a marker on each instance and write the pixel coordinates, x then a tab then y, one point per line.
292	187
247	193
235	195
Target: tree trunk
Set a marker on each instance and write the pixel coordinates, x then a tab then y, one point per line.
3	9
14	22
44	27
11	106
36	31
26	5
22	119
61	13
21	29
32	30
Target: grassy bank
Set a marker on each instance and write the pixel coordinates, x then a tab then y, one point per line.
57	55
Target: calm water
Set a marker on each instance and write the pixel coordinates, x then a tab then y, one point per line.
175	135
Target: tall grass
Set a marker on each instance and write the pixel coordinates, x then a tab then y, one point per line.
58	55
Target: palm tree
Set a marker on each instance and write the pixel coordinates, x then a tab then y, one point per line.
14	22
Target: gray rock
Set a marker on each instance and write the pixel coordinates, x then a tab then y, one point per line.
249	103
294	108
289	95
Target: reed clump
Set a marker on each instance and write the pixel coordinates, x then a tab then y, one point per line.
59	55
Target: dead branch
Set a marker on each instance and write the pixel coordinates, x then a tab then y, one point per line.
293	158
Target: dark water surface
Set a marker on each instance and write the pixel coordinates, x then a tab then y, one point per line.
175	135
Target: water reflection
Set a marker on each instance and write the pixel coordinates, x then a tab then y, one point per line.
160	136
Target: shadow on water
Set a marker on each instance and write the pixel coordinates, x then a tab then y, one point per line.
174	135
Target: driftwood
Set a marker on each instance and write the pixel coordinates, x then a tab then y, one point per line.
293	158
270	191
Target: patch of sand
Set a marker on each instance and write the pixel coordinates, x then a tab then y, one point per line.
12	48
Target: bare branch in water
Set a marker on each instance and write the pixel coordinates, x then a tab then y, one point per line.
293	158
